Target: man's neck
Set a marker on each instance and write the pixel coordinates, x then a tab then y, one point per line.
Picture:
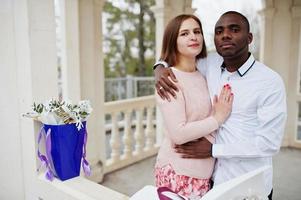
234	63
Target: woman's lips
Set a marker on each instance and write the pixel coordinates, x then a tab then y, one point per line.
194	45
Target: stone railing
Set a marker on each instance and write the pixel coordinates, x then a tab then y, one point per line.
78	188
132	131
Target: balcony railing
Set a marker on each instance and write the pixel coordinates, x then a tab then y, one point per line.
132	131
128	87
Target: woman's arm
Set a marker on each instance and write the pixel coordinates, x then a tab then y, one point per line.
180	130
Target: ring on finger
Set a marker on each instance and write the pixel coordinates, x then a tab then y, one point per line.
160	88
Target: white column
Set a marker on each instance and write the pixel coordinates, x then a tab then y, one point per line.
92	80
276	52
187	7
266	30
294	81
69	36
28	73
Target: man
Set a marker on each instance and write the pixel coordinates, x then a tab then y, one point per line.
253	132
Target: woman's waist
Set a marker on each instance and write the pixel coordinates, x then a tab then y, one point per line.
198	168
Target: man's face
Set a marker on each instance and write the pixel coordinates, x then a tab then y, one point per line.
231	36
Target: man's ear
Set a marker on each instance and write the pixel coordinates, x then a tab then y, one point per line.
250	38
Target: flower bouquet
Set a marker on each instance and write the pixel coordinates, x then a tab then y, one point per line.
65	134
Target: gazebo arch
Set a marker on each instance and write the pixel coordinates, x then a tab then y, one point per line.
28	66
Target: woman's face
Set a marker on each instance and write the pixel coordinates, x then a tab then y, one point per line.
190	39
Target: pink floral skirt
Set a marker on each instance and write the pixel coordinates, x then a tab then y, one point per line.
192	188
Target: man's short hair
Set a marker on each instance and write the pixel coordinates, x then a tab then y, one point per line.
245	20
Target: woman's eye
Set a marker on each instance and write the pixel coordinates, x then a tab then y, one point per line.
184	34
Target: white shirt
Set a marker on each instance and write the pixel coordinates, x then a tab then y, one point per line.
253	132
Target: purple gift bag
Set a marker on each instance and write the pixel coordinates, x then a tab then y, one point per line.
65	151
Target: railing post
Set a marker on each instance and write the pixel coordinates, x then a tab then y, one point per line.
149	131
135	87
129	86
119	88
115	139
127	138
139	134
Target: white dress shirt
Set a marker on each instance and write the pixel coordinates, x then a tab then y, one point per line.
253	132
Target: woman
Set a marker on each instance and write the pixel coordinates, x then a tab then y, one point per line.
189	116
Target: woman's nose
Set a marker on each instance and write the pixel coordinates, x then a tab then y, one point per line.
193	36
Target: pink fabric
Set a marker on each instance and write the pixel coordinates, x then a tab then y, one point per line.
187	118
191	188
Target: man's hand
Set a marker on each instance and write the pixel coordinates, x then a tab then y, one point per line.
164	86
196	149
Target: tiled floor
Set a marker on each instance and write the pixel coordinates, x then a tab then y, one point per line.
287	176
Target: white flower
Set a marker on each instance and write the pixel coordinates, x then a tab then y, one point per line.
54	112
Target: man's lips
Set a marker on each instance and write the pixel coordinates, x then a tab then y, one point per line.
226	45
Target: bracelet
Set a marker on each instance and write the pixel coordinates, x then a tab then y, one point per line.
160	62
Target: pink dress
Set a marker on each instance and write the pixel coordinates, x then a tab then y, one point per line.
186	118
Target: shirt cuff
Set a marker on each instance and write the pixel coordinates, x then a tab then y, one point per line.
160	62
217	150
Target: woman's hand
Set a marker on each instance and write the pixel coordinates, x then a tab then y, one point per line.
222	105
164	85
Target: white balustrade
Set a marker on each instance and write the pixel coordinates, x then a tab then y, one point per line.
136	128
149	131
127	138
115	140
139	133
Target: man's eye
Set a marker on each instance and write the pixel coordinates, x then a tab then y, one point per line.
197	32
235	30
217	32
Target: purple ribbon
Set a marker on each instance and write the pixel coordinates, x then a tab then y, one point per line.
47	160
85	164
44	161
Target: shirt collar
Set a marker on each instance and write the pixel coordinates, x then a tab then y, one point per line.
245	67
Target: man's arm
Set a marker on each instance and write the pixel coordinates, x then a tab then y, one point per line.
197	149
164	86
